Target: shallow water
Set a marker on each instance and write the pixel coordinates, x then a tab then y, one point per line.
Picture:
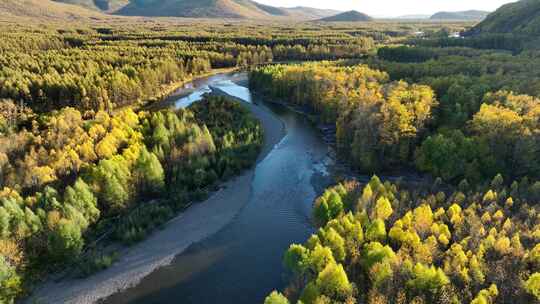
243	262
193	91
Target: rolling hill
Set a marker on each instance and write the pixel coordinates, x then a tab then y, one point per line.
46	9
350	16
464	15
520	18
199	9
311	13
102	5
244	9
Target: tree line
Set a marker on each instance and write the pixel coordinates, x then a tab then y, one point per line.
378	122
444	130
100	70
479	92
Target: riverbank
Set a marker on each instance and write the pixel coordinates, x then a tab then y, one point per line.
341	168
195	224
168	92
242	262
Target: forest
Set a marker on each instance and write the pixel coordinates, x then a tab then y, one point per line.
83	153
101	69
77	157
86	151
397	243
465	113
67	178
449	117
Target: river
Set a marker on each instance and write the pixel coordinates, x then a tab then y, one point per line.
242	262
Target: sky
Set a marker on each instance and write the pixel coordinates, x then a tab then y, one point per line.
393	8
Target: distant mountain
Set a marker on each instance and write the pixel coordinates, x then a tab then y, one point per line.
311	13
520	18
350	16
46	9
465	15
200	9
245	9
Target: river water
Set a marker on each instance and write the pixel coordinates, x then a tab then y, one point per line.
242	263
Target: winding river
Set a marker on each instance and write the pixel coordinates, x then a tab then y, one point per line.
242	263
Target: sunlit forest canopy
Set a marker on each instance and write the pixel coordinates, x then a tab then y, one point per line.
85	147
392	243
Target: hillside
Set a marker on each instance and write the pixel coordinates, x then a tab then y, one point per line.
519	18
199	8
464	15
246	9
310	12
45	9
101	5
350	16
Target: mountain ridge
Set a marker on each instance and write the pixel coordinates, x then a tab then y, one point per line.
518	18
235	9
46	9
460	15
349	16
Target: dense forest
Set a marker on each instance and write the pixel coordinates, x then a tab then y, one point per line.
392	243
463	111
102	69
377	121
65	177
83	153
81	158
450	116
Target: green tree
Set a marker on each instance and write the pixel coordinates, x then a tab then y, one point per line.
335	242
66	241
335	205
81	197
4	223
425	278
321	212
375	252
276	298
376	231
333	282
310	293
296	259
497	182
160	136
486	296
115	194
10	282
320	257
383	209
149	172
328	207
532	285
